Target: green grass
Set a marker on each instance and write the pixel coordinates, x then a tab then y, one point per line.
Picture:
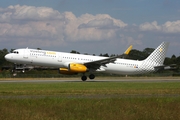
89	88
90	101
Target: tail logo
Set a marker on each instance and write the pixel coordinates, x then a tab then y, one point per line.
160	49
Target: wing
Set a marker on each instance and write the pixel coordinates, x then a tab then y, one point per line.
96	64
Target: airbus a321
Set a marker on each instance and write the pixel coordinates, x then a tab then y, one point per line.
69	63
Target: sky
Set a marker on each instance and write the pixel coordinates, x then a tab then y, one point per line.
90	26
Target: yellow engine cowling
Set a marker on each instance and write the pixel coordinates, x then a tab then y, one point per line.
79	68
73	68
66	71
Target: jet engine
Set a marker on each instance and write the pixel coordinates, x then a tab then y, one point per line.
73	68
79	68
66	71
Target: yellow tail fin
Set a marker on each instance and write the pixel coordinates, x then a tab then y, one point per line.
128	50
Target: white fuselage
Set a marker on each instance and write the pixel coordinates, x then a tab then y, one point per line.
60	59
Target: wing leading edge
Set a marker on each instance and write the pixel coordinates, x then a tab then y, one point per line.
96	64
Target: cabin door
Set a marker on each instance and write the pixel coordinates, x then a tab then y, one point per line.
25	53
59	57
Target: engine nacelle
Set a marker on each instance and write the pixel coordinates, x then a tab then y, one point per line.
78	68
66	71
73	68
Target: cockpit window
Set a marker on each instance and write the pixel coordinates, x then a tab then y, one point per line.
16	52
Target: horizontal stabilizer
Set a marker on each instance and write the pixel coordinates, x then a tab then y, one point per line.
166	67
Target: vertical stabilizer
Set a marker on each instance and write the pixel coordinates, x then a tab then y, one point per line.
156	58
158	55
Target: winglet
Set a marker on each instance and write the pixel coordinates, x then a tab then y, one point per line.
128	50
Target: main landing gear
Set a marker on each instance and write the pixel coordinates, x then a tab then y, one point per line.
84	77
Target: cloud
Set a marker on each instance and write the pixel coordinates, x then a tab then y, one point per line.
168	27
42	24
171	27
149	26
91	28
29	26
30	13
103	22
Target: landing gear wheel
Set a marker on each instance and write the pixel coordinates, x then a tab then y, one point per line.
91	76
83	78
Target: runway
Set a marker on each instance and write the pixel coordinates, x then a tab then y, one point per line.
50	80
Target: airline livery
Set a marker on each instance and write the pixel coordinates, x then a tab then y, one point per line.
69	63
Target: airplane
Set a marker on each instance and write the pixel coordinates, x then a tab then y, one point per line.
69	63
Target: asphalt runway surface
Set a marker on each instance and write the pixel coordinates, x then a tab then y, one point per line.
34	80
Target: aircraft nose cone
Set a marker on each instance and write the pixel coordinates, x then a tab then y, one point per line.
8	57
